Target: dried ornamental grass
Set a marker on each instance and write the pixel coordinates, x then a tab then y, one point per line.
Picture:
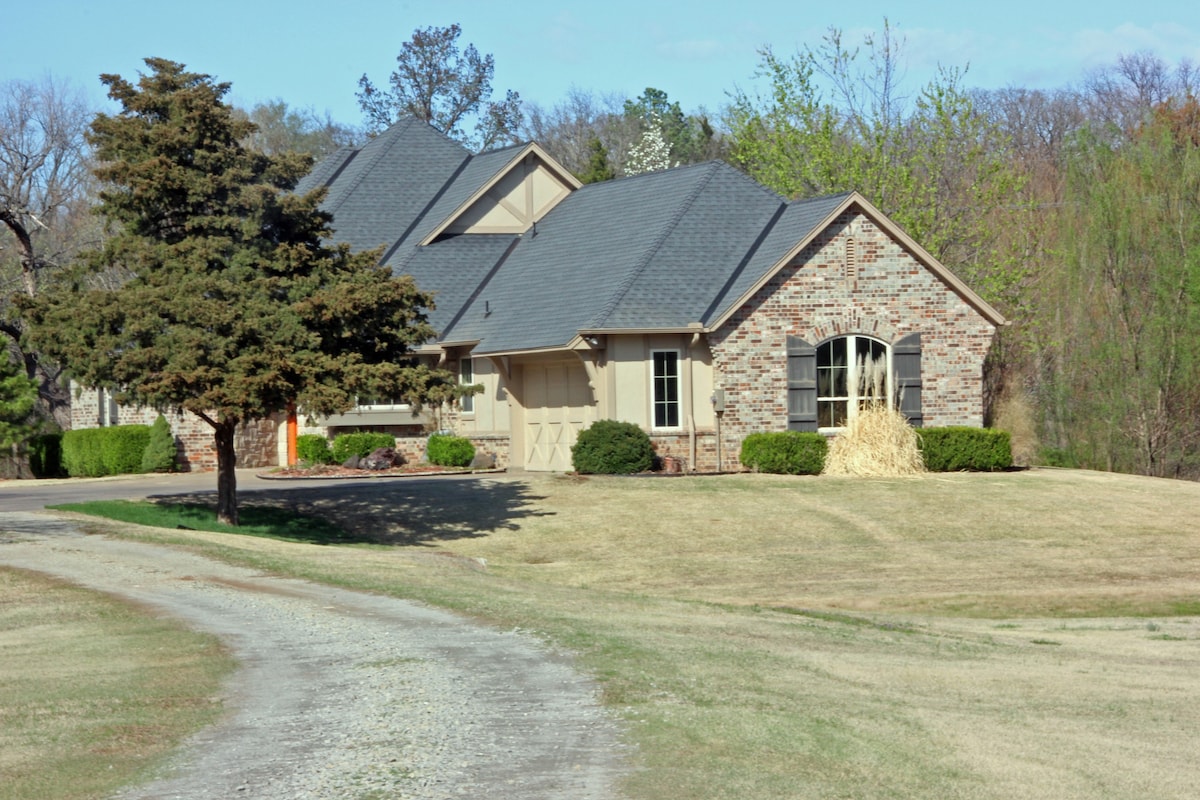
878	442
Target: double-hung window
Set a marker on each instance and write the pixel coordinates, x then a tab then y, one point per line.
665	380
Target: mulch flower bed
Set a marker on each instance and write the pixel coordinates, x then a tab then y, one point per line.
338	471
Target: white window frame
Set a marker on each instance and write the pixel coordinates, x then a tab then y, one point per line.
383	406
854	398
466	377
108	412
666	403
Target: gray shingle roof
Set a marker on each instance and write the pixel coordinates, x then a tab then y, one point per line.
453	270
388	187
649	252
795	222
656	251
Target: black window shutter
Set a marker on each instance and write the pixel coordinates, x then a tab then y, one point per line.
906	358
802	385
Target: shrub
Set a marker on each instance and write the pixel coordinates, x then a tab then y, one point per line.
45	455
610	447
449	451
159	455
81	453
313	448
95	452
123	447
876	442
784	453
359	444
960	448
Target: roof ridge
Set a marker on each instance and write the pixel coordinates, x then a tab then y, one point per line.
655	246
374	158
433	201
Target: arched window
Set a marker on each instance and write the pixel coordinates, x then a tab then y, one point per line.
852	371
829	382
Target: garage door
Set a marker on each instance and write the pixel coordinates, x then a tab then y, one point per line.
558	405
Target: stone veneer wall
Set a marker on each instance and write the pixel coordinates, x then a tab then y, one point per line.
887	294
256	442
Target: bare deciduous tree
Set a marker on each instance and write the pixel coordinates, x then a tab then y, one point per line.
44	179
436	82
567	129
281	129
1124	94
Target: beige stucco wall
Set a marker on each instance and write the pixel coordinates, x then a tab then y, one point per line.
491	407
629	366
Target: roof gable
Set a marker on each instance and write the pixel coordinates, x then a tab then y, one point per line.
808	219
521	257
513	196
380	194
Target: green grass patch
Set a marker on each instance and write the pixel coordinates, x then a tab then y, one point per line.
274	523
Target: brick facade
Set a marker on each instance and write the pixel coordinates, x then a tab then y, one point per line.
886	294
256	442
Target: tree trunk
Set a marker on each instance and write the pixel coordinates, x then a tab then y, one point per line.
54	399
227	509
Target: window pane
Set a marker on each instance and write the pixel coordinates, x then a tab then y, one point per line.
466	377
837	353
840	381
831	413
665	386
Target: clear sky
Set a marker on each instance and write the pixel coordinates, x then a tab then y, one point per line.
311	54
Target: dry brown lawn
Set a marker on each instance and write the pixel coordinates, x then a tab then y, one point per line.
1035	543
93	690
1019	635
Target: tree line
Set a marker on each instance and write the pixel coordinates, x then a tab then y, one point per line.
1072	210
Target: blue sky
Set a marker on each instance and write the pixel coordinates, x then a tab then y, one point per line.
311	54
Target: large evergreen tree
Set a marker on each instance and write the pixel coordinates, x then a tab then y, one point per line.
234	305
18	396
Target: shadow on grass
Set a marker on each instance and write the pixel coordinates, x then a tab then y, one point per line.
400	512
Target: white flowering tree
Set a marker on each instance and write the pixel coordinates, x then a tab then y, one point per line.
651	152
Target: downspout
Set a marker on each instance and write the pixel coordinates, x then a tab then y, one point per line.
692	403
292	429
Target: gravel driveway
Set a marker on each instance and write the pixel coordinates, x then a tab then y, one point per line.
348	695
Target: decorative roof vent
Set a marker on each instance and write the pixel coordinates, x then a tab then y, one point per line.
851	263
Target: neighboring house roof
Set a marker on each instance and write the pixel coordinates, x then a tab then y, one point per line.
670	250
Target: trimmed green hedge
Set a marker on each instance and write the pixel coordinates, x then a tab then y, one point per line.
123	448
785	453
358	444
313	448
449	451
96	452
959	448
610	447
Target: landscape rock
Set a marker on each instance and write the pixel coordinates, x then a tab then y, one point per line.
382	458
483	461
